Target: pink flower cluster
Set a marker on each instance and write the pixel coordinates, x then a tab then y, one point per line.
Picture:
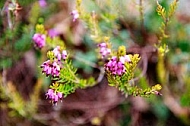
117	65
104	50
54	96
39	40
58	54
75	15
53	67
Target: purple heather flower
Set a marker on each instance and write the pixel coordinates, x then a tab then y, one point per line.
42	3
56	50
115	66
50	93
75	15
58	54
64	54
56	69
39	40
104	50
59	94
103	44
51	68
53	33
124	59
54	96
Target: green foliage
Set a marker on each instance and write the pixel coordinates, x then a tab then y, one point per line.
40	29
68	80
121	51
125	108
160	110
89	57
101	20
34	14
184	99
15	40
172	8
162	72
16	103
23	44
120	39
161	11
5	63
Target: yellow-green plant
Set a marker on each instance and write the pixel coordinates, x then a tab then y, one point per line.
166	16
19	107
162	42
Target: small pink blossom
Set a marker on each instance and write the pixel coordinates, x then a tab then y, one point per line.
39	40
104	50
58	54
51	68
124	59
54	96
64	54
53	33
42	3
75	15
102	45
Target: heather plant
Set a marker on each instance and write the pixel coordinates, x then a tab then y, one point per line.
106	44
118	66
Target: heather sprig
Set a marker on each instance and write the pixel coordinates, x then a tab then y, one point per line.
119	67
68	81
162	44
63	73
55	63
120	71
166	16
58	66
